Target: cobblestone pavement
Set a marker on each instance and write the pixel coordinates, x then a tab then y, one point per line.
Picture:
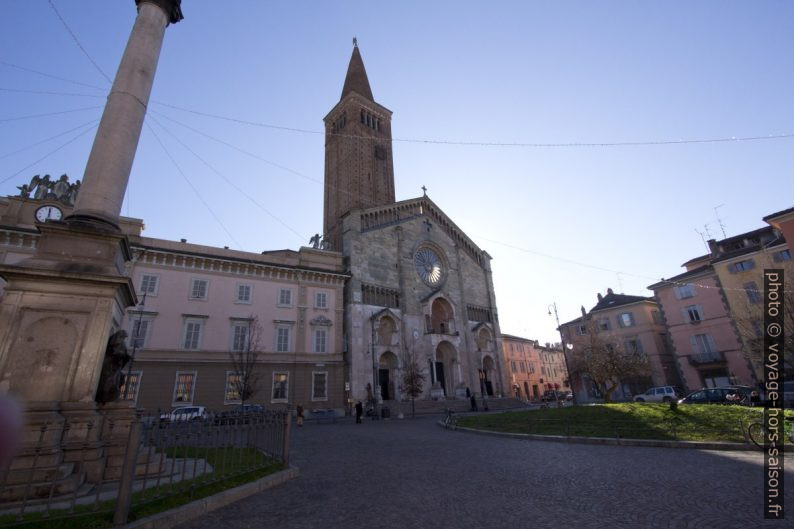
413	474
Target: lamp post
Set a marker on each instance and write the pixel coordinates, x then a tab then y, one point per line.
564	354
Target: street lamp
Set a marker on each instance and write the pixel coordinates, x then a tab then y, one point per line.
564	354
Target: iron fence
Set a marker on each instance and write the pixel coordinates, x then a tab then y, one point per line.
110	466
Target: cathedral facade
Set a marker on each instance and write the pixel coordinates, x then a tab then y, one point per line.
420	290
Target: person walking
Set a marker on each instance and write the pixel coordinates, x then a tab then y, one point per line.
473	403
299	413
359	412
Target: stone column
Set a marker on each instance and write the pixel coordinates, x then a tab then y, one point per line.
110	162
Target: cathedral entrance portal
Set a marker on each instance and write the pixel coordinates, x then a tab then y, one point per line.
486	374
387	373
442	368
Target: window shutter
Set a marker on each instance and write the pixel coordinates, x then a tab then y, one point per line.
712	345
695	346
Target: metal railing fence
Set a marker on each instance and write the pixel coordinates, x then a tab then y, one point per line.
112	466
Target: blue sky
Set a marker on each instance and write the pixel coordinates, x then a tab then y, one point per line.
553	218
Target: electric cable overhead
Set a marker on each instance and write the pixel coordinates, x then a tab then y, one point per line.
190	184
48	154
633	143
45	140
76	41
47	114
227	180
43	92
51	76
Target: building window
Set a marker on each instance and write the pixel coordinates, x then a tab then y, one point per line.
320	341
240	335
184	387
132	385
244	293
321	300
603	324
282	339
198	289
626	319
753	294
581	330
741	266
319	385
192	336
149	284
280	385
693	313
703	344
782	255
684	291
513	366
633	346
285	297
139	332
232	393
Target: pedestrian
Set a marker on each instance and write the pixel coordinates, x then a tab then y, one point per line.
299	413
359	412
468	393
473	403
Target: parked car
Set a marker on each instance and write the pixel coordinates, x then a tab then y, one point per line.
550	395
185	413
659	394
721	395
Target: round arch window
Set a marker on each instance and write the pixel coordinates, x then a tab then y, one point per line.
429	266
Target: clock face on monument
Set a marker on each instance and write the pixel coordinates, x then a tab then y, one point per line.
429	266
45	213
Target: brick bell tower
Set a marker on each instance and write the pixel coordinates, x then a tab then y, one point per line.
359	172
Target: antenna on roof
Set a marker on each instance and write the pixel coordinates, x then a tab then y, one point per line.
706	229
703	237
719	220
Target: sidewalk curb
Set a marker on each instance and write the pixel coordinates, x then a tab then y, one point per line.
699	445
184	513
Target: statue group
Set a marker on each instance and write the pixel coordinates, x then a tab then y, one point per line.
41	188
319	242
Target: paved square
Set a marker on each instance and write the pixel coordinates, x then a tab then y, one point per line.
413	474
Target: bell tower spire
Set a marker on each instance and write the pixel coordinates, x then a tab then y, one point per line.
359	171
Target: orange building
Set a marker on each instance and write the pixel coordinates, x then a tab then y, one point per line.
532	368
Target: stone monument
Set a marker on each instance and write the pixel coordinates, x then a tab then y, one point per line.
62	305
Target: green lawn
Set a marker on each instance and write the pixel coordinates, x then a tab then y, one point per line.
230	469
690	422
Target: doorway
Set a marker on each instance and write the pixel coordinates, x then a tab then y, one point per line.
383	382
440	376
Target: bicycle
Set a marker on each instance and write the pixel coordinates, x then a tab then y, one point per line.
450	421
757	433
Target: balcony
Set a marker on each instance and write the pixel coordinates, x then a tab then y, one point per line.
441	327
712	357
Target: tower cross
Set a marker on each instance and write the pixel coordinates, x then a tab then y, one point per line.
424	191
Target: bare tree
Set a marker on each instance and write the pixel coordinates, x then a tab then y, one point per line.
748	316
243	356
607	364
413	378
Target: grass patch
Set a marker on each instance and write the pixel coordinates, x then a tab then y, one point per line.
690	422
230	469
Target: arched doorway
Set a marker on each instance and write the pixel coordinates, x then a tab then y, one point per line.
387	374
442	376
486	375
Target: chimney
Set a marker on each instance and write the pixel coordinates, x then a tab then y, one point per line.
599	296
609	291
584	312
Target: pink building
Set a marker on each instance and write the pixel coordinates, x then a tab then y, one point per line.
704	340
200	305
